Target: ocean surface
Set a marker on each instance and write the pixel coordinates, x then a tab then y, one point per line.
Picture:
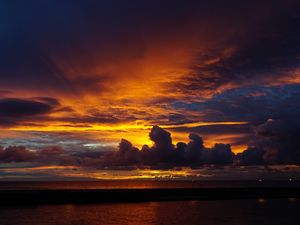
203	212
214	212
120	184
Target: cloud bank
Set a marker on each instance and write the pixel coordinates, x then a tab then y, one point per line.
271	146
110	64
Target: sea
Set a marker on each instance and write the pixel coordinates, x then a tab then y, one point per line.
283	211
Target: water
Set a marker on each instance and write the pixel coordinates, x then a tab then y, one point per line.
220	212
113	184
203	212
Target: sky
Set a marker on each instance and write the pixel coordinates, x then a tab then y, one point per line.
89	83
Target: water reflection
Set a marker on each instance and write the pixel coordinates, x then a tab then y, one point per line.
261	200
223	212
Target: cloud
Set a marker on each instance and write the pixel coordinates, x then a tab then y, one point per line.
33	111
272	145
251	156
15	110
55	155
11	107
163	147
258	52
139	67
163	154
16	154
128	154
220	154
194	149
255	104
276	141
3	93
98	55
144	53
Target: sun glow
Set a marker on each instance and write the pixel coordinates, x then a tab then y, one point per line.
112	127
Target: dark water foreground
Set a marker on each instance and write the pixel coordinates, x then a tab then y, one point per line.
150	202
203	212
63	196
26	193
144	184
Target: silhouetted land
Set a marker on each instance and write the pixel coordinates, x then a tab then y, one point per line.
17	197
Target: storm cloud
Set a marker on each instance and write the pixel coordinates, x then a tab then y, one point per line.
271	146
14	110
85	74
22	108
276	141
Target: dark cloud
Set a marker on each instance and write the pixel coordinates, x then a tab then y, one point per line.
196	153
50	155
163	146
16	154
52	150
43	37
254	104
163	154
11	107
55	155
177	118
14	110
273	145
257	52
194	149
48	100
276	141
30	111
59	45
252	156
221	154
128	154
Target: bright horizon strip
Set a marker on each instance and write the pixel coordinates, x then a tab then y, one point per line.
90	127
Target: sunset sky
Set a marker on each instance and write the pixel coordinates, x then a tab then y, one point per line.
81	75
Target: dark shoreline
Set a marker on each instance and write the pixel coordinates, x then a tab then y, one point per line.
32	197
